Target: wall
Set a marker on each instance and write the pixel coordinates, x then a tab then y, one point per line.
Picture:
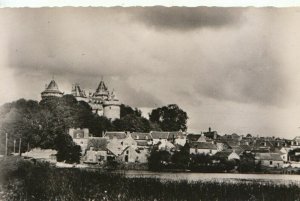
203	151
112	112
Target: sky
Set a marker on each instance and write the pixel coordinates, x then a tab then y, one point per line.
233	69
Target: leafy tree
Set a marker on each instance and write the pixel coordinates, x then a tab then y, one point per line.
158	159
181	158
247	163
293	156
132	123
170	118
126	110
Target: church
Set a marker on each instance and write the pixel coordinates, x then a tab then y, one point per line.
103	102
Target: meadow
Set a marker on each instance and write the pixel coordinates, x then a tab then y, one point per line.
25	180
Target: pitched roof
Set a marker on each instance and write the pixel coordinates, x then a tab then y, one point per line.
142	143
176	135
118	135
159	134
268	156
193	137
141	136
98	143
202	145
224	153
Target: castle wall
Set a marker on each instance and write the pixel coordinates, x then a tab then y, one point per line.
112	112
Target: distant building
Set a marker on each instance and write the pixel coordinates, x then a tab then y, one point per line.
102	101
51	90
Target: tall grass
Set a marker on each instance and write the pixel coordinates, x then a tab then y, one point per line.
42	182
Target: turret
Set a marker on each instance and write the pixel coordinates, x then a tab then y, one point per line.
112	107
78	93
51	90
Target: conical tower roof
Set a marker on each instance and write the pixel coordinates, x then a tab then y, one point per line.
101	87
52	90
52	86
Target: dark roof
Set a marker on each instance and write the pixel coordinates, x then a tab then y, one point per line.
224	153
141	136
246	147
176	135
98	143
118	135
202	145
159	135
193	137
268	156
142	143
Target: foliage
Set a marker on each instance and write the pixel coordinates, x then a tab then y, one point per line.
181	158
126	110
169	118
42	182
158	159
132	123
293	156
247	163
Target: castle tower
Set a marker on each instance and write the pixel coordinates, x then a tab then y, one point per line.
78	93
111	107
51	90
101	92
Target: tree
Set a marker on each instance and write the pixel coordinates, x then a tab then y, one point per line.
67	150
158	159
132	123
169	118
181	158
125	110
247	163
293	156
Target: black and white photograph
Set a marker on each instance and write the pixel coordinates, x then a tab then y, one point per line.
150	103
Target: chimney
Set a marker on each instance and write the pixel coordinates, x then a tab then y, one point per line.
209	129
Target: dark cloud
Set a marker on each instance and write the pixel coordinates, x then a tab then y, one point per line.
209	61
185	19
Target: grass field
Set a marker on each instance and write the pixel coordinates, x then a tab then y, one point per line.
22	180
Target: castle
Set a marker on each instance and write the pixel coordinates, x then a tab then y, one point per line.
102	101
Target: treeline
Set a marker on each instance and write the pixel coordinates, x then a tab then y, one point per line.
160	160
45	124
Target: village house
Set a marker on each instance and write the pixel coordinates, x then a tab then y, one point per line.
143	140
80	137
272	160
203	148
131	154
96	150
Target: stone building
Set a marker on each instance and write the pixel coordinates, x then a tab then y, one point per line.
102	101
